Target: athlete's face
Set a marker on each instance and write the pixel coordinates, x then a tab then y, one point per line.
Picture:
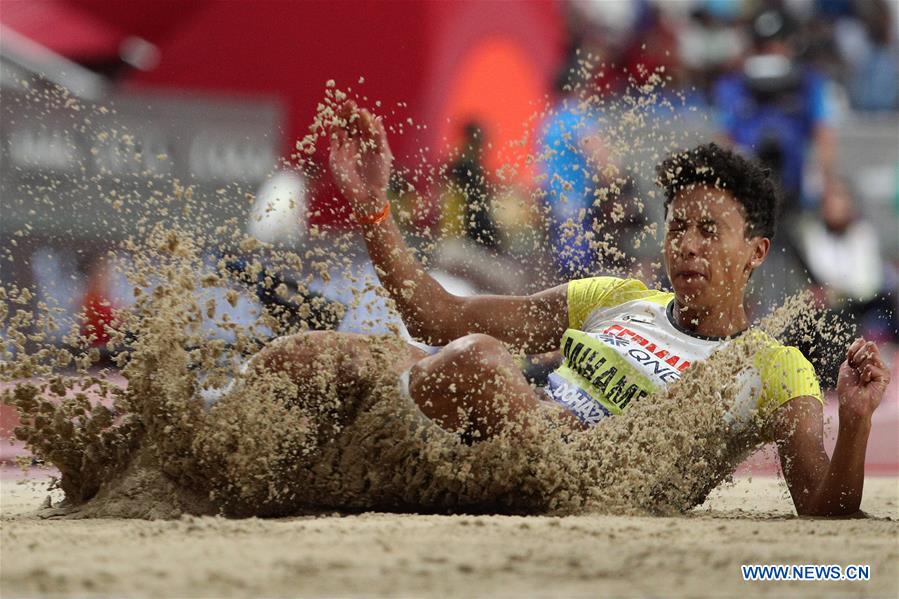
708	256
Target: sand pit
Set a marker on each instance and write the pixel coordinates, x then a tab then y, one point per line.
412	555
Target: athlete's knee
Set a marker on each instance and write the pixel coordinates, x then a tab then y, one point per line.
477	350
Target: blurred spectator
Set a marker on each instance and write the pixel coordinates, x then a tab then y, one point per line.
841	249
466	205
776	108
471	242
602	28
654	66
413	214
99	311
653	45
710	43
866	46
841	252
567	137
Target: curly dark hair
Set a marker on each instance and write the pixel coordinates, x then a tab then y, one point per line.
710	164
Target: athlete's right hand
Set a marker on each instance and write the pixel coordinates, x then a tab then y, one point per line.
360	159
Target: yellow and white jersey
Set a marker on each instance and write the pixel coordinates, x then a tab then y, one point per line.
623	344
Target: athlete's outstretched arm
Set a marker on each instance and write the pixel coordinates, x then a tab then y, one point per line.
360	163
832	487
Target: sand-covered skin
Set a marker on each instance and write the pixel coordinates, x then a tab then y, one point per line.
698	554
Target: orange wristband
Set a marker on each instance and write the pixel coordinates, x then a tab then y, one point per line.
374	219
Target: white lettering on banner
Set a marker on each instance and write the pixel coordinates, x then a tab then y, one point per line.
37	149
146	155
213	157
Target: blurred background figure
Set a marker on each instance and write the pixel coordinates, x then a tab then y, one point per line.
466	202
777	108
853	41
842	252
568	137
872	56
471	255
711	42
99	311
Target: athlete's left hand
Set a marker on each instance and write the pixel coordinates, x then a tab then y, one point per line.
862	381
361	159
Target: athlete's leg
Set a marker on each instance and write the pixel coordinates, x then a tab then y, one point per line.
473	385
